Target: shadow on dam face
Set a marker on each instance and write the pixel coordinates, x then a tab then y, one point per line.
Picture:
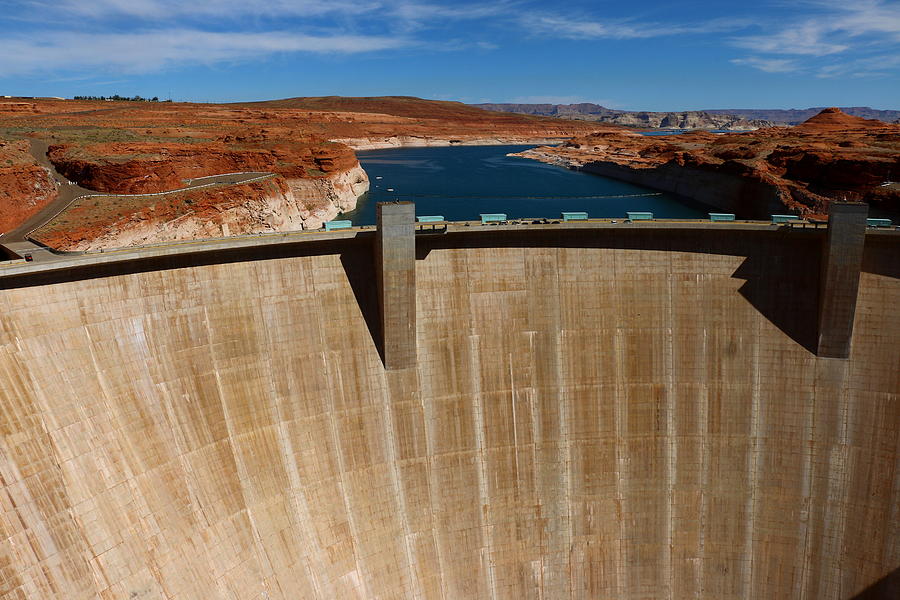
886	588
781	271
784	289
358	266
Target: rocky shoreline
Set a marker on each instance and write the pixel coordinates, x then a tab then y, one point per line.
722	191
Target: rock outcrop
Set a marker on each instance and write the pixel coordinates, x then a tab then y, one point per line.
25	186
801	169
316	181
148	167
273	205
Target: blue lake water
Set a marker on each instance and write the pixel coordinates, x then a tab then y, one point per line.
461	182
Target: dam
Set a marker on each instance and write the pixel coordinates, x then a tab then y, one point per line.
589	411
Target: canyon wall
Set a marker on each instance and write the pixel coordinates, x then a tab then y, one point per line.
25	186
314	180
725	192
629	416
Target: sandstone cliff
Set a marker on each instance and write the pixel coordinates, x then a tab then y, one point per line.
272	205
25	186
315	181
156	166
801	169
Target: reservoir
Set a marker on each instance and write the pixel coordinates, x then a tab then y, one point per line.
461	182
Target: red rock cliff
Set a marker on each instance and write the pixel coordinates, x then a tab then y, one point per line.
25	186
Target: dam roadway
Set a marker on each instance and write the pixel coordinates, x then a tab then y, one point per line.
594	411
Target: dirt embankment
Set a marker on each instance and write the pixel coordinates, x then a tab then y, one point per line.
802	169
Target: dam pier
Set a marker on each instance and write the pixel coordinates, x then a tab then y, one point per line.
839	284
395	267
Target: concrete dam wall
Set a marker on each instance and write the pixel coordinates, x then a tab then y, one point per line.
629	415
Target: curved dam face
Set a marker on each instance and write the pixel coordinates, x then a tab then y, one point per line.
632	416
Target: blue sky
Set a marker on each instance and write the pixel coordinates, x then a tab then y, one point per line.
631	55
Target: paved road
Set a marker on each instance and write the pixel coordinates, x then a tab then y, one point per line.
17	239
67	193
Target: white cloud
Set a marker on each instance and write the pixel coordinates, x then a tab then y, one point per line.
153	50
163	10
834	28
138	36
871	66
394	13
859	38
426	12
574	27
769	65
865	17
806	39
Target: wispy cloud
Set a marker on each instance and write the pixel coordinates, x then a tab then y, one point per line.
579	27
804	39
394	12
828	28
460	11
139	36
825	38
153	50
870	66
164	10
769	65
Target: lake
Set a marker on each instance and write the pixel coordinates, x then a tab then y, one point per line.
463	181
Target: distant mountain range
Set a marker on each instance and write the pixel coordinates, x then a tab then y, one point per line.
731	119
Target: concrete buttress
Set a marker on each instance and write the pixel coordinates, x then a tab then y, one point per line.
395	259
839	284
